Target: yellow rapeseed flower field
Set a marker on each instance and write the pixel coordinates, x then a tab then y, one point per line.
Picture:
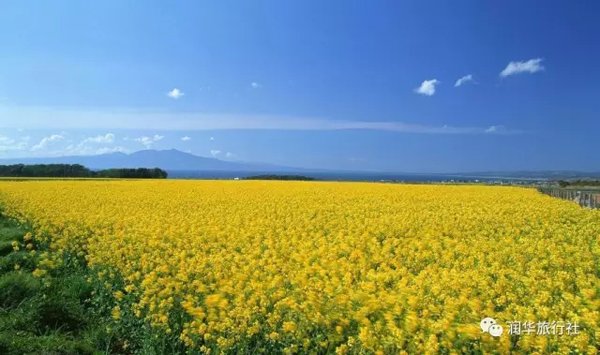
328	266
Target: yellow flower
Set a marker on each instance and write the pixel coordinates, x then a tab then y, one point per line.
355	267
39	272
289	327
116	313
274	336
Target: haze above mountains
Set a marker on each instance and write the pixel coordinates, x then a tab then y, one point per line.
175	160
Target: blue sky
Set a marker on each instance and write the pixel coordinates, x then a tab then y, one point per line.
324	84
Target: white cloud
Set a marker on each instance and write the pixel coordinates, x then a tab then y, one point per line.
107	150
76	149
212	138
172	121
214	153
230	155
499	129
530	66
255	85
427	87
186	138
108	138
10	148
148	141
89	146
46	142
60	145
465	79
8	144
4	140
175	93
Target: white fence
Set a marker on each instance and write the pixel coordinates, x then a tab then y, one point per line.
584	198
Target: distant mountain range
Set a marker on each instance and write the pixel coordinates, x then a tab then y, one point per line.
174	160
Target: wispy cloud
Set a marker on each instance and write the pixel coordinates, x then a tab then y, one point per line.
427	87
105	139
46	142
172	121
499	129
84	149
212	138
530	66
146	141
175	93
230	155
13	147
255	85
5	140
107	150
465	79
186	138
8	144
215	152
149	141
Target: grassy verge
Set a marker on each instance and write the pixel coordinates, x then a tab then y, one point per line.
69	310
52	315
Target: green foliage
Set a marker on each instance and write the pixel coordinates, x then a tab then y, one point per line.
63	315
78	171
45	316
43	170
6	247
21	343
21	258
563	183
17	287
11	233
139	173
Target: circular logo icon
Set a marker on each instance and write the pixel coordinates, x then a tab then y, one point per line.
486	323
496	330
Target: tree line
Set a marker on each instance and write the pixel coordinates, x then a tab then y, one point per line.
78	171
564	183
